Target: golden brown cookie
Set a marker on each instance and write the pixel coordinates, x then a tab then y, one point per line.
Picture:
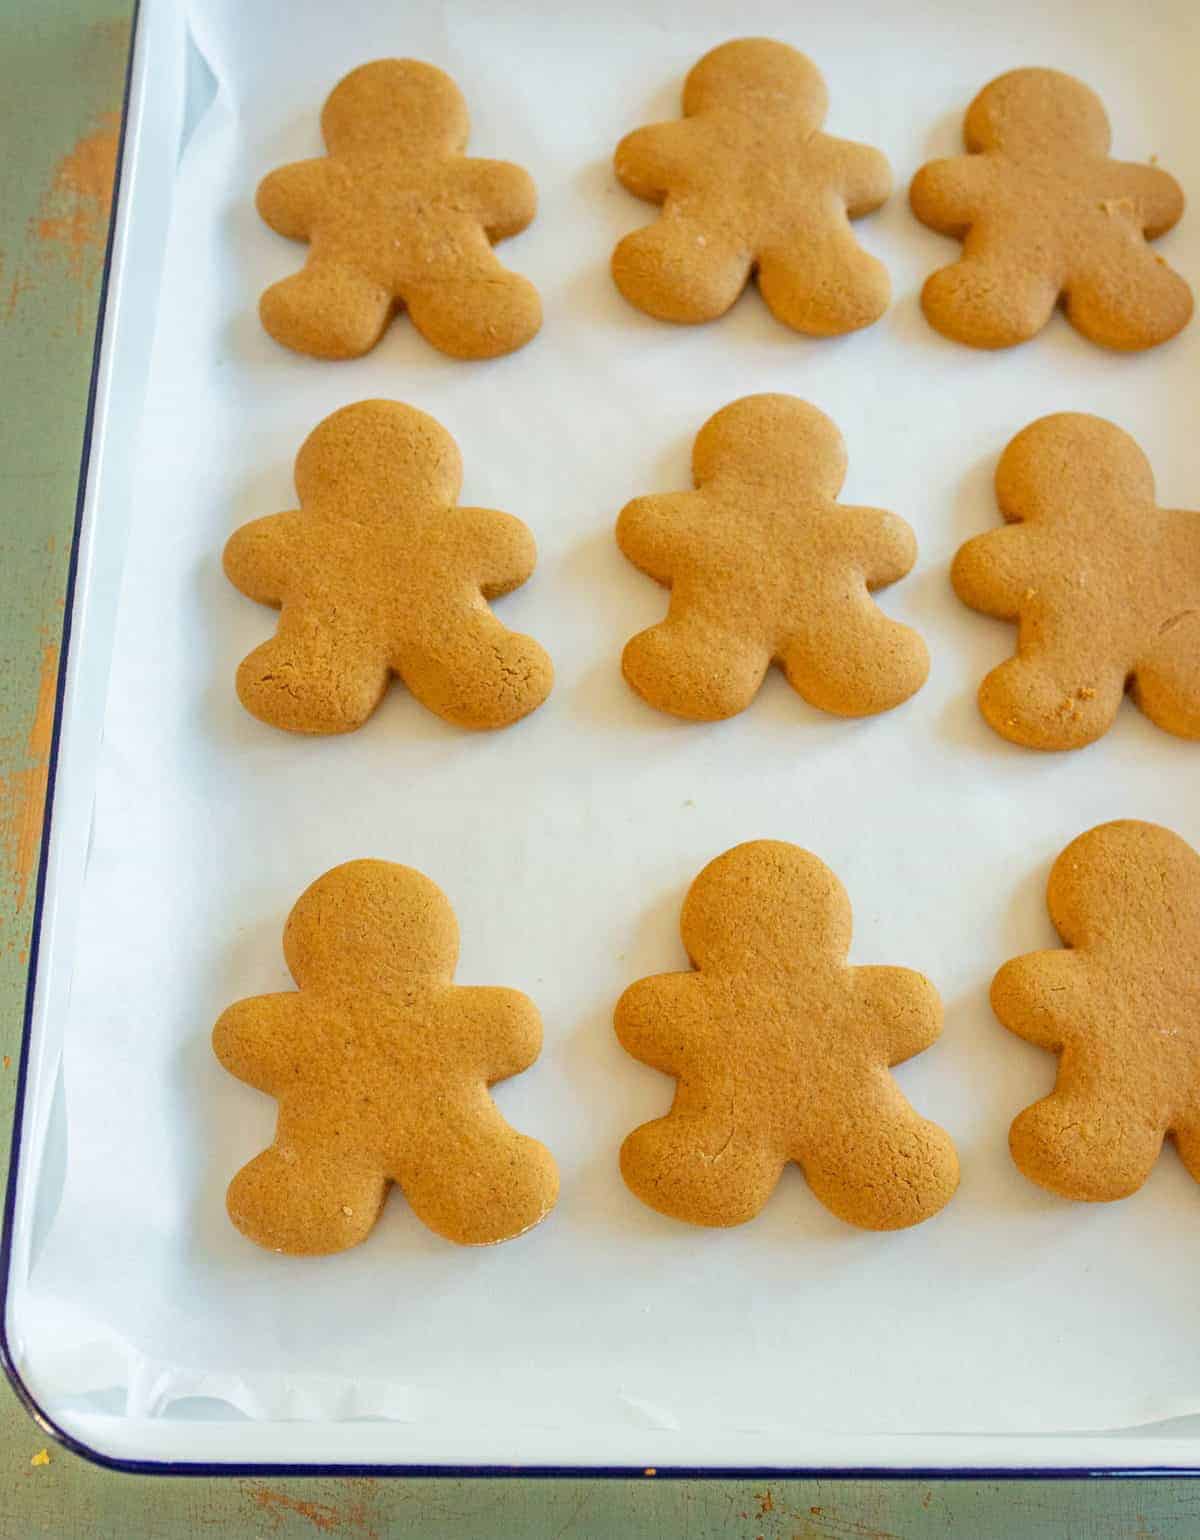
1120	1004
765	565
396	215
781	1052
381	1066
749	184
378	573
1104	584
1044	215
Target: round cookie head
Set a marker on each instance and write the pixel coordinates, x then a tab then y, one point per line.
369	922
762	905
395	107
1032	110
1132	882
760	76
1071	460
802	448
369	458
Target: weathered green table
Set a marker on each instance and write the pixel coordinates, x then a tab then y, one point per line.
61	69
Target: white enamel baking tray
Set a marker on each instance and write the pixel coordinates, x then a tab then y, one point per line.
1013	1332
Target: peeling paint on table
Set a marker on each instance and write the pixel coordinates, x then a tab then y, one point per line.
61	67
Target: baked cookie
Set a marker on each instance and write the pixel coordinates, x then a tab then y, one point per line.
1104	584
381	1067
749	184
396	215
1044	215
1120	1004
378	572
781	1052
765	565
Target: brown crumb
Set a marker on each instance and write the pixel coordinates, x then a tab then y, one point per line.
7	1061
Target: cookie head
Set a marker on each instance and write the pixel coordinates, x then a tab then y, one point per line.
365	460
759	76
1127	884
1071	461
395	107
370	920
772	434
765	901
1037	110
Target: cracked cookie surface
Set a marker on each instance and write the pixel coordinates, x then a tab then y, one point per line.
380	573
781	1052
1119	1002
381	1065
1103	583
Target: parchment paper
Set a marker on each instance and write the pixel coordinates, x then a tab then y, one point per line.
566	844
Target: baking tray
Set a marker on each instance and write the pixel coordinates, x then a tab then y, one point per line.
1014	1333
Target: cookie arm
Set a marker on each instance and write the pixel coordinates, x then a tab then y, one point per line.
651	532
289	198
662	1020
947	194
258	557
863	176
497	1032
1156	196
259	1041
651	161
992	573
880	543
497	548
499	194
1043	997
899	1009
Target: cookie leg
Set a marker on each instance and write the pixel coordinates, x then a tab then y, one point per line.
327	310
681	270
991	304
1187	1142
310	679
1166	684
691	668
826	287
859	663
1132	304
480	316
699	1164
879	1165
475	1180
304	1200
1053	701
1088	1146
469	669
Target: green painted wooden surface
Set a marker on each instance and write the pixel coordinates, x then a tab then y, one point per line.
61	67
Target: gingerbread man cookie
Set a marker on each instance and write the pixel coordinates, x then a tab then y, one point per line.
1120	1004
781	1053
1044	215
378	573
749	184
381	1066
1104	584
765	565
396	215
